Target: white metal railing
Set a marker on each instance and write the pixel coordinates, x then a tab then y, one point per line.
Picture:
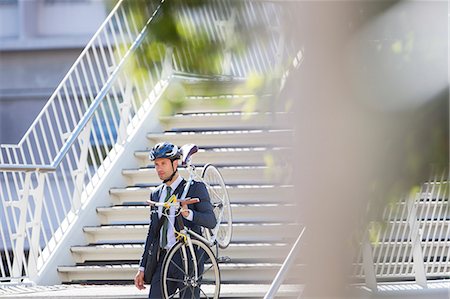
51	172
56	165
219	22
290	259
415	244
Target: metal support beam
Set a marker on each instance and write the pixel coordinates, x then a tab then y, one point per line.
416	238
18	238
167	69
229	36
80	172
368	264
38	196
125	112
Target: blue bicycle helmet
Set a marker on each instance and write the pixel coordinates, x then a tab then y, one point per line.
164	150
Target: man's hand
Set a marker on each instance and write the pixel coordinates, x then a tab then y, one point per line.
184	206
139	280
184	210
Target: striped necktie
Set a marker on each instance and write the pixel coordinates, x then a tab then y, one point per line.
165	224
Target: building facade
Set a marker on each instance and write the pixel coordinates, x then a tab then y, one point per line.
39	41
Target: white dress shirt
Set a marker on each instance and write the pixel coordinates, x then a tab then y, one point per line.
170	231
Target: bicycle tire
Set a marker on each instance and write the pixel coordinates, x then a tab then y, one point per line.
221	202
209	283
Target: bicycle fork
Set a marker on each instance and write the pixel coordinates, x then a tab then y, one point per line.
192	281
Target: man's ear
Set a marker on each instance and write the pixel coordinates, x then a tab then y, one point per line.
175	163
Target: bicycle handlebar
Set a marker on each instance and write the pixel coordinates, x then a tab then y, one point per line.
173	204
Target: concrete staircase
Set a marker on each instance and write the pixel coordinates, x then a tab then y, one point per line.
241	144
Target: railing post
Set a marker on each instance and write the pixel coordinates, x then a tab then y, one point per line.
38	195
229	33
80	172
20	235
416	238
368	265
125	112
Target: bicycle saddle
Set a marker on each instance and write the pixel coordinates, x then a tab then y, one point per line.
187	151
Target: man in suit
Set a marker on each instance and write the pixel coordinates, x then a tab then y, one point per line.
166	156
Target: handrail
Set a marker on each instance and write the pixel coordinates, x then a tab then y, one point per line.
279	278
93	107
27	167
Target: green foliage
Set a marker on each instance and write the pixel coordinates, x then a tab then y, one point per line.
194	49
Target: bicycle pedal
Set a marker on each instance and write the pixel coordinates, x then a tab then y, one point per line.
223	259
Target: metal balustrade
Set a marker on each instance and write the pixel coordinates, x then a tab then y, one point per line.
69	148
66	151
415	243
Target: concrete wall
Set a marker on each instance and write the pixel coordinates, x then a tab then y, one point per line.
39	41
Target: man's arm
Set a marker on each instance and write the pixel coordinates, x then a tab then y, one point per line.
202	212
139	278
150	236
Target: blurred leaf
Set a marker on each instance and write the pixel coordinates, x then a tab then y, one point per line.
375	229
397	47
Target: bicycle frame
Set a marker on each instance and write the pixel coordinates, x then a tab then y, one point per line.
184	235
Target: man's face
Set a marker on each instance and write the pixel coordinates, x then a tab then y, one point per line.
164	168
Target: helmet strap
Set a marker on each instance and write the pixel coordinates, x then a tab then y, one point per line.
173	174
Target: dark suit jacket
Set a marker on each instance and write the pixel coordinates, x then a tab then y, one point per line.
203	214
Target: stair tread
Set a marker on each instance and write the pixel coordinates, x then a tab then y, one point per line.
223	266
219	132
220	149
114	226
150	186
151	168
145	207
140	245
220	113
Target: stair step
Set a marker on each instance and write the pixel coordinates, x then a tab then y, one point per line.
242	232
230	138
237	194
213	87
231	175
228	121
241	213
229	272
238	252
222	156
218	103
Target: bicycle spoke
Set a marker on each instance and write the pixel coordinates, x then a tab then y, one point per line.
178	267
175	279
184	291
216	194
204	293
206	270
179	291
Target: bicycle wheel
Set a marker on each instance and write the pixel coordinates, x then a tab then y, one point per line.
221	203
178	279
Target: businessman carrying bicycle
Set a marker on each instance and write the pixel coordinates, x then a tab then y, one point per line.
166	157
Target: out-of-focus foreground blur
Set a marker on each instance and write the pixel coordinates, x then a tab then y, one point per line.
371	122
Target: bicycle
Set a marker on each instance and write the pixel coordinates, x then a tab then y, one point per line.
186	261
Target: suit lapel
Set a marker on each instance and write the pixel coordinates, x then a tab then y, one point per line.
179	190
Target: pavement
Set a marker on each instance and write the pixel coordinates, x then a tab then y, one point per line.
127	291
